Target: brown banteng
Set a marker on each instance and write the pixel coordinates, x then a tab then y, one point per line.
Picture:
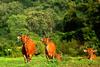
90	53
28	47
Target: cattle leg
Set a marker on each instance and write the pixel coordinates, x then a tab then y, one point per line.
47	58
46	54
29	58
25	59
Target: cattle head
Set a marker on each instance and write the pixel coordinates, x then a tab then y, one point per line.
23	38
90	53
45	40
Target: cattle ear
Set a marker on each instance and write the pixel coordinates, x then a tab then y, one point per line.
18	37
94	50
41	39
85	50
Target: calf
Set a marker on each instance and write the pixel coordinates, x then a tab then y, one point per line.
90	53
28	47
58	57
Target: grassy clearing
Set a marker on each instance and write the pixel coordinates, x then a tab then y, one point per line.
40	61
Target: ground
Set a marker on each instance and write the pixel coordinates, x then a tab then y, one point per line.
41	61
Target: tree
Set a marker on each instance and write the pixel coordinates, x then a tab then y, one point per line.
17	24
7	9
41	21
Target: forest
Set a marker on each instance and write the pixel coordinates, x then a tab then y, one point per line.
72	24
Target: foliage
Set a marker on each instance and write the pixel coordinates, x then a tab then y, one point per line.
41	61
71	24
79	18
17	24
40	21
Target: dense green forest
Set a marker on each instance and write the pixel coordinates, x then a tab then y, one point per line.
72	24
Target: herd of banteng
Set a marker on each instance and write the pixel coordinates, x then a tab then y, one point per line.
29	49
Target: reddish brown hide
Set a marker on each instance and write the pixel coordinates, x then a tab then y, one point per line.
59	57
28	48
90	53
50	49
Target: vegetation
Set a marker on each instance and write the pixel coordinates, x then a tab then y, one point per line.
72	24
39	61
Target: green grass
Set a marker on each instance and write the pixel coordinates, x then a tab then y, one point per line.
41	61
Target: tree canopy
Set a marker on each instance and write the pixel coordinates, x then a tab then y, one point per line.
67	22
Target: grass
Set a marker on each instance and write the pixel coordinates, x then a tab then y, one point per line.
41	61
